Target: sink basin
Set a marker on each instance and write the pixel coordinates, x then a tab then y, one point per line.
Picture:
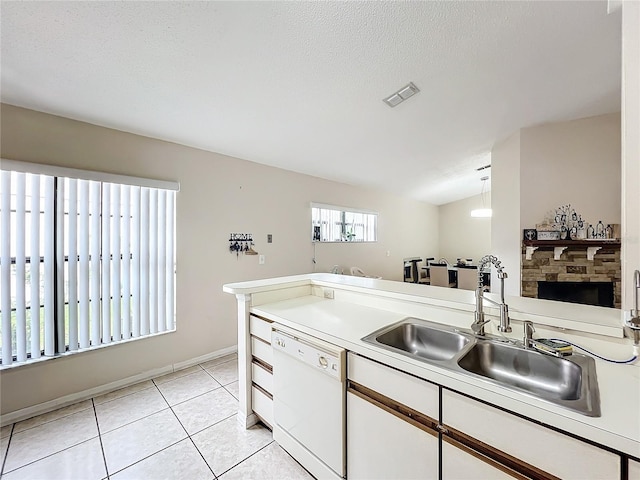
526	369
420	338
570	383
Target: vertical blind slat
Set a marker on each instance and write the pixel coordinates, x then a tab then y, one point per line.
153	260
115	264
5	267
126	260
144	262
20	267
83	274
73	263
49	268
162	255
136	279
105	266
94	245
60	265
170	259
34	266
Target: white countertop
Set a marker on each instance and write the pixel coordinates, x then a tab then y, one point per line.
345	323
586	318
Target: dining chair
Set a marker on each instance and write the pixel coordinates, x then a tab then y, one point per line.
439	274
357	272
467	277
425	273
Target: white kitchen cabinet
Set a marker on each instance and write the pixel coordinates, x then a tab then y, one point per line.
381	445
261	370
391	419
529	443
634	470
460	464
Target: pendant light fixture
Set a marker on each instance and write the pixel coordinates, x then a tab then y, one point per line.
485	211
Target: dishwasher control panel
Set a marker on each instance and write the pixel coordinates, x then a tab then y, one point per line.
312	355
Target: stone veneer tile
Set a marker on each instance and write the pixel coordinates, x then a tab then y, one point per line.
578	269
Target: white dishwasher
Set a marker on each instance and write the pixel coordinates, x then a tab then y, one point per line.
309	401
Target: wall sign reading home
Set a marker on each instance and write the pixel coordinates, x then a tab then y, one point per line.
330	223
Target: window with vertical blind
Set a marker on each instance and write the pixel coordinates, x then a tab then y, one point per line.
337	224
87	259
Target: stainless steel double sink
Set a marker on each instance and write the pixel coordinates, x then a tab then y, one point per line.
569	382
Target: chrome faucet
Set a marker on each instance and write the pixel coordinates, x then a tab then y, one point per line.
479	322
528	340
632	326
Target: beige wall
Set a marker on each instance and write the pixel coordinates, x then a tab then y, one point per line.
218	195
505	203
576	162
461	235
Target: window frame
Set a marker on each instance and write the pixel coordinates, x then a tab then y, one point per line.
59	214
343	224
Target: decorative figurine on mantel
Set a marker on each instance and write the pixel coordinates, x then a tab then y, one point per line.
563	223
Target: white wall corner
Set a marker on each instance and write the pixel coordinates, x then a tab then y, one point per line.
614	6
505	203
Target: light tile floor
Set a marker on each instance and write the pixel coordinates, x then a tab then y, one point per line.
179	426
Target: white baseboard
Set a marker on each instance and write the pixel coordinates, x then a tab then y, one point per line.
45	407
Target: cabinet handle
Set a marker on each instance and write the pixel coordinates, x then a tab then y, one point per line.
442	429
407	414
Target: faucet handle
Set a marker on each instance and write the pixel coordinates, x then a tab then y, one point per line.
528	331
478	328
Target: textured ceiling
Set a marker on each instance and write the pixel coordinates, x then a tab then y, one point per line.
299	85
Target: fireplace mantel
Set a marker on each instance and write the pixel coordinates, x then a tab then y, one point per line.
559	246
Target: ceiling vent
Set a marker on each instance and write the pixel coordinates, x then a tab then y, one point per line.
401	95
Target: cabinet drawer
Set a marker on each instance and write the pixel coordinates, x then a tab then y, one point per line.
406	389
532	443
262	405
262	377
260	328
262	350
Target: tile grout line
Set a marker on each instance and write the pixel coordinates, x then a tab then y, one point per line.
149	456
104	457
122	396
189	436
201	456
6	453
48	421
245	459
155	453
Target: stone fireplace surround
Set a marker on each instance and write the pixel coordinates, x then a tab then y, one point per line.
573	266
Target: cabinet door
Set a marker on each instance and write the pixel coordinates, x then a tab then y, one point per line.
380	445
458	464
530	443
634	470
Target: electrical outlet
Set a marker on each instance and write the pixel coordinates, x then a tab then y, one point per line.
388	253
328	293
261	259
269	238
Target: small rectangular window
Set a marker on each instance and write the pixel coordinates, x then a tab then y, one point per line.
339	224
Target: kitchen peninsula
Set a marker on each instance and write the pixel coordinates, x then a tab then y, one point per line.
441	415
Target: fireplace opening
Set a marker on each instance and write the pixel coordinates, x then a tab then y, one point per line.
588	293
